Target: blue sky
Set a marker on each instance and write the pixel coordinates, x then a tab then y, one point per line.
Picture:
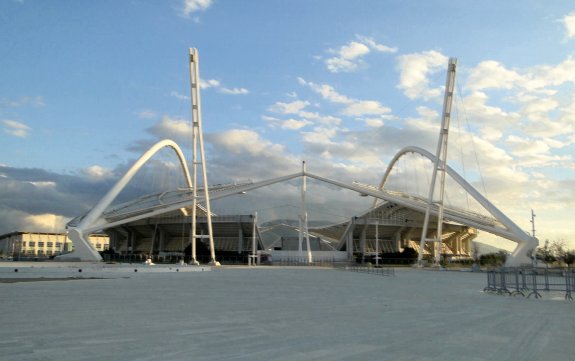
87	86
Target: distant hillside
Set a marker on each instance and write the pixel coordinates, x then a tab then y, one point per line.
486	248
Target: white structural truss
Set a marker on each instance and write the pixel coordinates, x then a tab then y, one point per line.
102	216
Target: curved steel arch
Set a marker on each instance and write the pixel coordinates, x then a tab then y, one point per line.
524	241
93	219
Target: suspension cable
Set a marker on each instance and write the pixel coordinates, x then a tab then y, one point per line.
473	143
460	144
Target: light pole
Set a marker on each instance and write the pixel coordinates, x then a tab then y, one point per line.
377	243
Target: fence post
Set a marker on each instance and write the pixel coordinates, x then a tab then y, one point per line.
503	287
489	286
524	279
517	291
568	288
534	292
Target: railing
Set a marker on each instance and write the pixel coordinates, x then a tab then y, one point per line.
371	270
303	261
530	281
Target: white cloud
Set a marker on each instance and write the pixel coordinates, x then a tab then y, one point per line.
217	85
544	75
375	46
192	6
525	146
43	184
15	128
349	57
364	107
172	128
289	108
415	70
374	122
294	124
323	119
234	91
476	106
492	74
297	107
535	152
209	83
326	91
490	134
179	96
569	22
237	141
320	136
46	222
35	101
353	50
97	173
353	107
538	108
146	114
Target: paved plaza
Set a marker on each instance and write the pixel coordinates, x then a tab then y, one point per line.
265	313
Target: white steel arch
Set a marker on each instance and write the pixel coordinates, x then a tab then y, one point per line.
525	242
96	220
93	219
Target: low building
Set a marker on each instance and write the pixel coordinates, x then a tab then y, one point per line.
19	245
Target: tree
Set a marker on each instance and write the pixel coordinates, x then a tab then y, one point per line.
558	248
555	251
569	258
545	253
475	251
562	253
493	259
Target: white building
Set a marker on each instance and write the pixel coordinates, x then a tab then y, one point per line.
43	245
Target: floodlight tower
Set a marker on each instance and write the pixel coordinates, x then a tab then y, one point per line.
198	138
439	166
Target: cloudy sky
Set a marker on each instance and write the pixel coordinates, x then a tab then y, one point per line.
87	86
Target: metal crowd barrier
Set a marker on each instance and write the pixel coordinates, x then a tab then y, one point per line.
372	270
530	281
303	261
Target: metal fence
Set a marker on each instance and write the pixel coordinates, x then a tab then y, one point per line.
531	281
371	270
303	261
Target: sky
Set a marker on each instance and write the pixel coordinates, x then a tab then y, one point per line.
87	86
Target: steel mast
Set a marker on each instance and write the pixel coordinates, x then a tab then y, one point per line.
439	166
198	136
303	221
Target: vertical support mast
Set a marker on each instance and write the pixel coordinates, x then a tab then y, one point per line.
439	166
532	223
303	231
254	246
377	241
198	136
301	213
